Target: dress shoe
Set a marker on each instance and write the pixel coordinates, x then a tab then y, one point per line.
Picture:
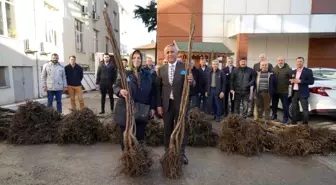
185	159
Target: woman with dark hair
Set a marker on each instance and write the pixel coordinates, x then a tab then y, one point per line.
142	90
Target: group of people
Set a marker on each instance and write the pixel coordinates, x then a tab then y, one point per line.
157	90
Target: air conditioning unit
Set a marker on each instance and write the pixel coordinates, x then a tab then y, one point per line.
84	10
95	16
26	44
27	49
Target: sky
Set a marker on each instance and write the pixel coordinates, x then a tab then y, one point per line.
133	31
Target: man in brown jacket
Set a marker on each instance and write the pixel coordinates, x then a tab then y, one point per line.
170	80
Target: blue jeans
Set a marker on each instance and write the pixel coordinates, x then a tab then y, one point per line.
202	98
58	95
285	105
216	103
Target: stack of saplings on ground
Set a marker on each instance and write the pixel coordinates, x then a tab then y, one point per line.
238	135
80	127
6	116
34	123
200	132
154	133
109	131
249	138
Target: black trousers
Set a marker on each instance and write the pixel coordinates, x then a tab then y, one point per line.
140	132
228	98
295	107
169	119
104	89
243	99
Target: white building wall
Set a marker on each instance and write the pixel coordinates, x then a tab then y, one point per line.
224	19
30	18
72	12
290	47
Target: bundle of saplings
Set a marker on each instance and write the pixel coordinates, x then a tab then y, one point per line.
6	117
248	138
80	127
34	123
109	131
200	132
303	140
241	136
154	133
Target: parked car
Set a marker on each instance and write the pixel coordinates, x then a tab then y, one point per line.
322	99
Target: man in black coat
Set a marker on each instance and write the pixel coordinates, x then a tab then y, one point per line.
242	79
227	95
106	77
204	71
194	90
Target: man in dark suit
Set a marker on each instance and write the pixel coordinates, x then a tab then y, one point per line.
301	79
194	90
170	81
257	66
227	95
215	90
204	73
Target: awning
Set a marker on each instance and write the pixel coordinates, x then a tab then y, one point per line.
203	47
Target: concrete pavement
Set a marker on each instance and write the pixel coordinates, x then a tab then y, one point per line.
96	164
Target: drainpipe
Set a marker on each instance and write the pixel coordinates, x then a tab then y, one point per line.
37	61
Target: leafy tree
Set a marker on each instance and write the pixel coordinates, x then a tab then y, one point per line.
147	15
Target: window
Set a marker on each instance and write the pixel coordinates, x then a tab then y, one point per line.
50	30
95	40
4	76
106	44
7	18
50	33
79	35
94	6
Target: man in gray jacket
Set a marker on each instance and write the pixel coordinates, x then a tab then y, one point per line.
53	81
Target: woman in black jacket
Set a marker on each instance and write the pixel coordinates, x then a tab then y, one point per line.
143	92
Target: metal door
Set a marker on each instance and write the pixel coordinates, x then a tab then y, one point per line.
18	84
23	83
28	82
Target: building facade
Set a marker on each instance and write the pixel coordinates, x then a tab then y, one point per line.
32	30
288	28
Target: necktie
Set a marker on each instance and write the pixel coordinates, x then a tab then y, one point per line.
171	77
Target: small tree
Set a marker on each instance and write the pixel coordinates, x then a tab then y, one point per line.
147	15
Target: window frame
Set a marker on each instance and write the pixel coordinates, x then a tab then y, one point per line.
95	40
79	34
6	77
4	18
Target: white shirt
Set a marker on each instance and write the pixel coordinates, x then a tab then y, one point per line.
171	77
